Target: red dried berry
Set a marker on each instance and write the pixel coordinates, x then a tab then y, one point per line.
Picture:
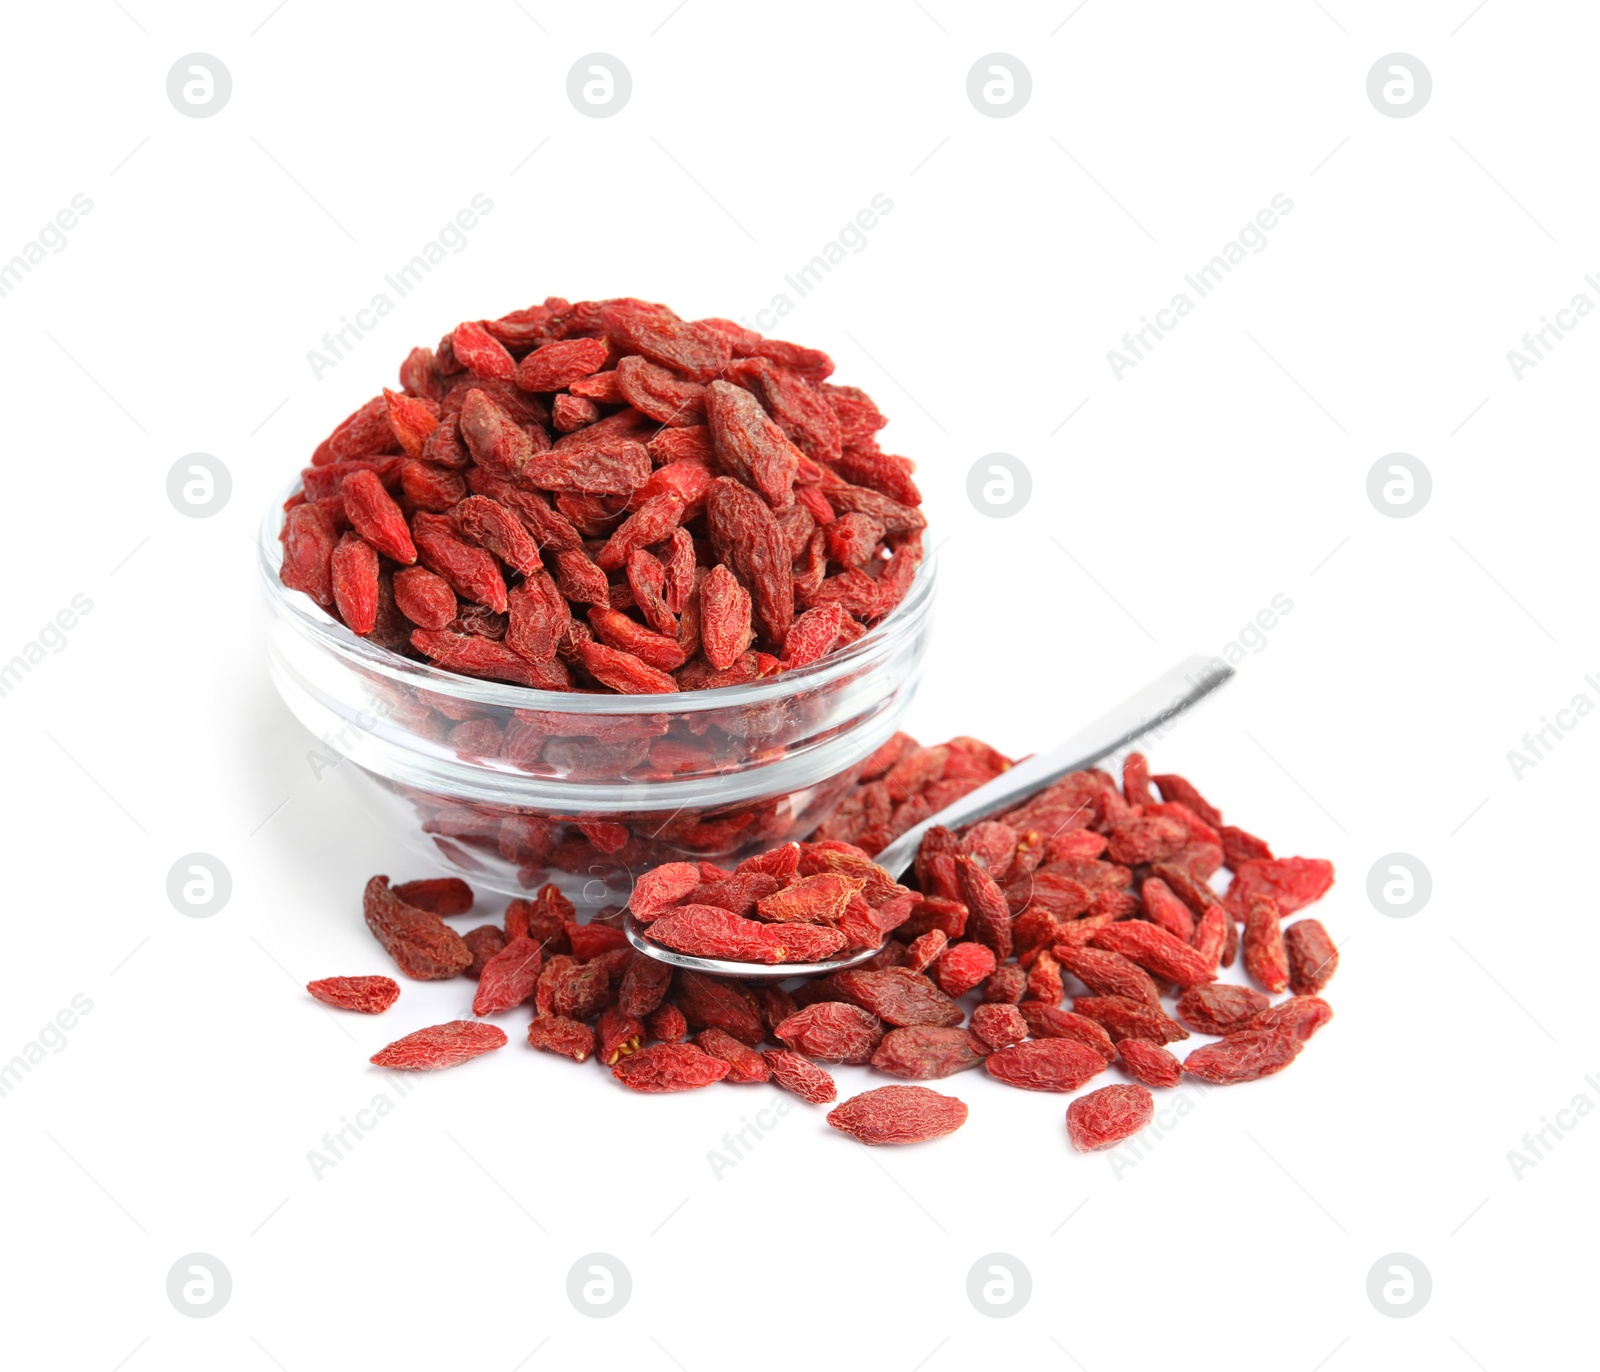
988	916
832	1031
1147	1062
1125	1019
667	1024
898	1114
483	943
1108	973
1156	950
1313	958
374	515
924	1052
353	570
368	995
561	363
1045	1064
508	978
424	597
479	352
1243	1056
1219	1008
1105	1117
745	1065
666	1067
1301	1016
437	895
617	1034
1266	961
558	1034
898	996
799	1074
422	945
1052	1022
999	1026
441	1045
963	966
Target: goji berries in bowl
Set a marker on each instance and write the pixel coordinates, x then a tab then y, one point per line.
513	786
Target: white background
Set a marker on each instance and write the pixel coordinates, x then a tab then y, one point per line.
1228	467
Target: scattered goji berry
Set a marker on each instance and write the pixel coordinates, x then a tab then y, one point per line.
898	1114
1243	1056
441	1045
1313	958
557	1034
1219	1008
669	1067
422	945
999	1026
508	978
832	1031
1052	1022
923	1052
797	1073
745	1065
1149	1063
437	895
1103	1118
1045	1064
369	995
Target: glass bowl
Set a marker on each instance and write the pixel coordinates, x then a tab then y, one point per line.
514	787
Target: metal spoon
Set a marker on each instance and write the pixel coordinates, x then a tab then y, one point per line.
1152	707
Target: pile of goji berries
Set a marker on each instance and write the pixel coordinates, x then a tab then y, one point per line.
603	496
1084	885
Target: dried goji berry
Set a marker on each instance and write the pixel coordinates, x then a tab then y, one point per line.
1149	1063
437	895
898	996
832	1031
1313	958
1292	883
353	570
483	943
369	995
667	1023
557	1034
745	1065
1301	1016
1125	1019
1165	910
508	978
797	1073
422	945
961	967
1109	974
1220	1007
1243	1056
1045	1064
1105	1117
715	1003
374	515
617	1034
898	1114
669	1067
441	1045
1052	1022
1156	950
1266	960
924	1052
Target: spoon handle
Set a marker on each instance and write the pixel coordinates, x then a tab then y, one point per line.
1151	707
